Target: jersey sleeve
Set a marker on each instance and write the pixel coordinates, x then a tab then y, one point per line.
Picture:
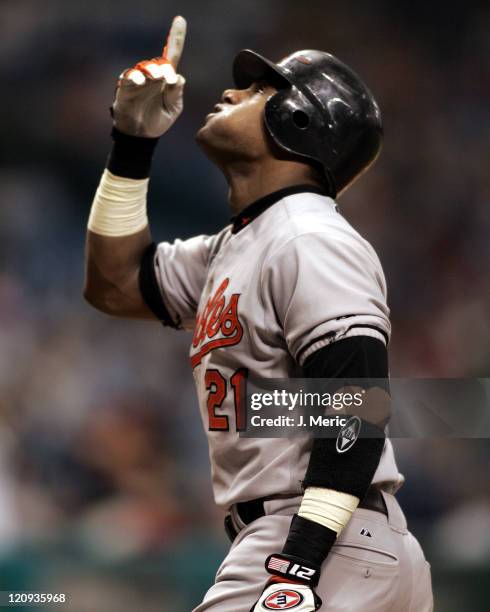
324	287
172	277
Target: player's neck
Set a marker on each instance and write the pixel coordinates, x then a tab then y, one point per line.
246	185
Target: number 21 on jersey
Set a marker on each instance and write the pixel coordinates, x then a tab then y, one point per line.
217	386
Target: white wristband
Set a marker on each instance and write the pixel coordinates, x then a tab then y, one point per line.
327	507
119	206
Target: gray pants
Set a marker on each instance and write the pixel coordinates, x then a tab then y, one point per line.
376	564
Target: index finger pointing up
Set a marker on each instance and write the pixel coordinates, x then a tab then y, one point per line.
175	41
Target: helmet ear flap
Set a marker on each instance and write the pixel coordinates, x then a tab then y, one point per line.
292	121
296	126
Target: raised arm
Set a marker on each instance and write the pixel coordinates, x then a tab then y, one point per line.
147	103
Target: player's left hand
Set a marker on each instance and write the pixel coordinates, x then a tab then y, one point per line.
149	96
285	595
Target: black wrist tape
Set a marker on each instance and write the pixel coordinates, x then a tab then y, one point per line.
309	541
131	156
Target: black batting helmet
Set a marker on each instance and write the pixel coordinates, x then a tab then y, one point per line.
322	111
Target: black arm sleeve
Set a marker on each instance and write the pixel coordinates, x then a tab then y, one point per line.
350	472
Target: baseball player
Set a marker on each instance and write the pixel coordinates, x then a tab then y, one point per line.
287	287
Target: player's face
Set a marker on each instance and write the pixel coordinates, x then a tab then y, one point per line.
235	130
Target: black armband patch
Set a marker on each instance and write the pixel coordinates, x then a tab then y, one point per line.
150	290
131	156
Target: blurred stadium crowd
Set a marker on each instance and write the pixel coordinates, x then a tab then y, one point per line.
104	483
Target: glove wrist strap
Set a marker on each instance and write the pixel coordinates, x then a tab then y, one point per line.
293	569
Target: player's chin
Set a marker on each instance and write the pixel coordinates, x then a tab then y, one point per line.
201	134
206	135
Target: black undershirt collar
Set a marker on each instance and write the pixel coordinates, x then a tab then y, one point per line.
253	210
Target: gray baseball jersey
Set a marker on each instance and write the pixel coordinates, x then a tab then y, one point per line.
261	296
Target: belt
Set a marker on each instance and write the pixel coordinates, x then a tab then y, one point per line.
254	509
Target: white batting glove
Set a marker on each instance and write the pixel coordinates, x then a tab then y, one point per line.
149	96
285	596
